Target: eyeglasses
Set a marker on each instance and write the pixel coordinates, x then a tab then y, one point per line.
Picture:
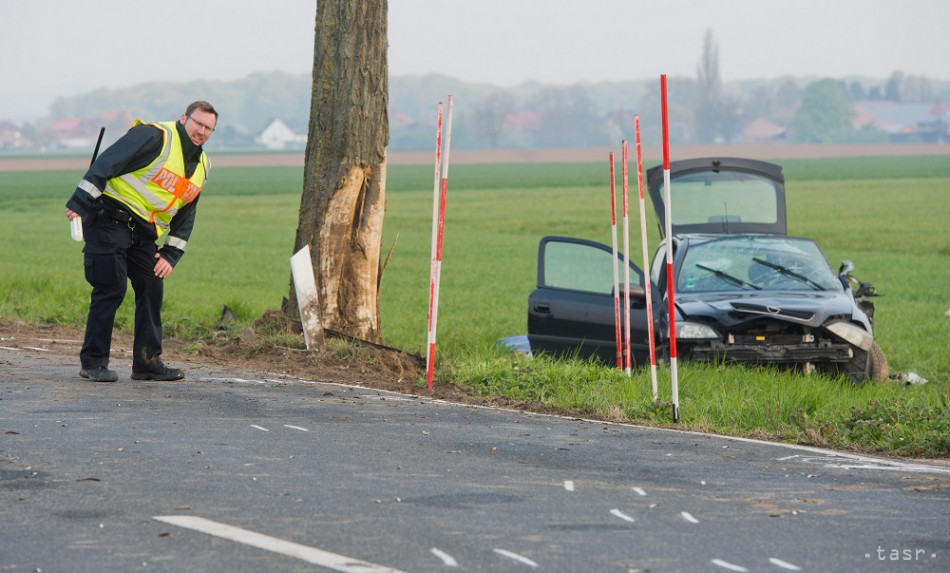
202	125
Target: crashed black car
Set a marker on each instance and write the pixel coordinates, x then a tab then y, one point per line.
745	291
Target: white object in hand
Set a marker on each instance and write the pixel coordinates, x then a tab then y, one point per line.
75	228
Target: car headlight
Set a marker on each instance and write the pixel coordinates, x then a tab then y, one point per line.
695	330
852	334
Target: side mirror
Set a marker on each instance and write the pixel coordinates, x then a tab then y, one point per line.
637	292
638	295
846	267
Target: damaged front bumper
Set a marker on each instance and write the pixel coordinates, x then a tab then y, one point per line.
769	353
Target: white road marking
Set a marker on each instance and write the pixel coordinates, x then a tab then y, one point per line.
784	564
516	557
727	565
387	398
856	462
37	348
313	555
568	485
234	380
261	428
8	348
447	559
296	428
689	517
621	515
639	491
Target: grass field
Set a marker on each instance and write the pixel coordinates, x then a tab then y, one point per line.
887	214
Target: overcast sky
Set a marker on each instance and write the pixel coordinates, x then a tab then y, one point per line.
52	48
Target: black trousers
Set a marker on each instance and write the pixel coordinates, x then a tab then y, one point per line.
118	252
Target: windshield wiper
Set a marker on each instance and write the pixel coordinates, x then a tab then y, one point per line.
728	278
789	272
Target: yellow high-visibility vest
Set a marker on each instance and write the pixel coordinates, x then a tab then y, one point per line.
156	192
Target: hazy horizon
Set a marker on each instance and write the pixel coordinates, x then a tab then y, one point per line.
60	48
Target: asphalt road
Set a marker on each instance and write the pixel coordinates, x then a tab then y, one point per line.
226	471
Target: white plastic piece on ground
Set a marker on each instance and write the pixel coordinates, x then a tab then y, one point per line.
914	378
308	301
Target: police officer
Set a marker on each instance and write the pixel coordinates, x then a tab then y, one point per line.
143	187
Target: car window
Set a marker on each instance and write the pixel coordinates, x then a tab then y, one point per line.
755	262
577	266
724	197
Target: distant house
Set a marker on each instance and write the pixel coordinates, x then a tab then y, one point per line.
12	138
73	133
762	130
278	135
902	122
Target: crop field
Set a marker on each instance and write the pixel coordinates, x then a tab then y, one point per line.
889	215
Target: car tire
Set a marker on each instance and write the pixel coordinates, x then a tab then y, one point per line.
859	367
878	368
865	366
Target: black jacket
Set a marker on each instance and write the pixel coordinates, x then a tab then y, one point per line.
135	150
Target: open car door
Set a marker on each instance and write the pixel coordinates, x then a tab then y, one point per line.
571	311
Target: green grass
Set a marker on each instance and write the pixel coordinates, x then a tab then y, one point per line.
888	215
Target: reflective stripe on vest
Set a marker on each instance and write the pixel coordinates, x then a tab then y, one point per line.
156	192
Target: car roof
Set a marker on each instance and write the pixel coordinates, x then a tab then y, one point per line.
721	195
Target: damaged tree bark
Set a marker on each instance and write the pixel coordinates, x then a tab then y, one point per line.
343	200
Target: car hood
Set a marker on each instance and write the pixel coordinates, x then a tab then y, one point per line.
730	309
721	195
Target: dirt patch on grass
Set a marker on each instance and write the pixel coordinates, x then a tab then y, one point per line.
250	354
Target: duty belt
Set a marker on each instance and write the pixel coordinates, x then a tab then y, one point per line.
117	213
121	216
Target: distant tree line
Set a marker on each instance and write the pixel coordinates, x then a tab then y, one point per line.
703	109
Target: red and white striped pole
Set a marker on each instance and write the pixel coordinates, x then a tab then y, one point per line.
438	226
626	260
613	232
435	186
669	247
430	341
646	261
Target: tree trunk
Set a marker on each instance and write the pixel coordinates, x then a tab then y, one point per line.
344	187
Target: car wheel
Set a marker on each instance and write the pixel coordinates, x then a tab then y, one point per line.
859	367
879	369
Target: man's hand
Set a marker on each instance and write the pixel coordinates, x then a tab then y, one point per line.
70	214
162	267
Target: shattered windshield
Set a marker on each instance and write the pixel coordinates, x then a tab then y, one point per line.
756	263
